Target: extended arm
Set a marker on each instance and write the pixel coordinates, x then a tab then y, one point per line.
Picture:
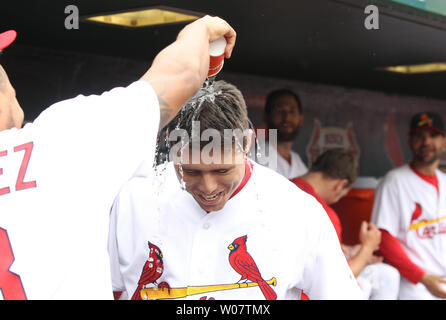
396	256
180	69
369	237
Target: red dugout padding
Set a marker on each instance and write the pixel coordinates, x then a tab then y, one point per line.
352	209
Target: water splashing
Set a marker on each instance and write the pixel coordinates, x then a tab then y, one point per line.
209	81
259	148
207	92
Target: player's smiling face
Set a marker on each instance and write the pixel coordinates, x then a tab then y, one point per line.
212	184
427	146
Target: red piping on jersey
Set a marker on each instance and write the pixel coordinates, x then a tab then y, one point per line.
433	180
334	218
248	171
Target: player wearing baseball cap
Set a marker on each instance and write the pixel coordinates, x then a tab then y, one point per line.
410	210
218	226
60	174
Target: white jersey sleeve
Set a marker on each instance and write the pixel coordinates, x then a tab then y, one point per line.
329	276
118	127
386	208
60	175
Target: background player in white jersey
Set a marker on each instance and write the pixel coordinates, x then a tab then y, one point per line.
283	112
60	174
214	225
410	210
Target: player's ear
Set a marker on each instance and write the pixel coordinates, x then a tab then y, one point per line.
340	184
336	186
345	183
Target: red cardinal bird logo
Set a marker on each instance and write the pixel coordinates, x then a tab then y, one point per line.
416	213
244	264
152	270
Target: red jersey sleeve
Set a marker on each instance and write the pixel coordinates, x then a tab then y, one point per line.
395	255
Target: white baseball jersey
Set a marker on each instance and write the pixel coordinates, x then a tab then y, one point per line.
269	157
282	229
58	179
410	209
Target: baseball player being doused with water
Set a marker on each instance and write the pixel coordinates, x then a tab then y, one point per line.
60	174
224	227
410	210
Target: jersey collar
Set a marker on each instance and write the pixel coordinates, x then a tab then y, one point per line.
433	180
248	171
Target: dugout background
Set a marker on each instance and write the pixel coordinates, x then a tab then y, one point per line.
319	48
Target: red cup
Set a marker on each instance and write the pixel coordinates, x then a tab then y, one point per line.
216	56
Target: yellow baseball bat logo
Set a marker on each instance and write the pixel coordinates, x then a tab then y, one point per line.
425	223
176	293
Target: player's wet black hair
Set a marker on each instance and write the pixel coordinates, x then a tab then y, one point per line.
338	164
220	106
